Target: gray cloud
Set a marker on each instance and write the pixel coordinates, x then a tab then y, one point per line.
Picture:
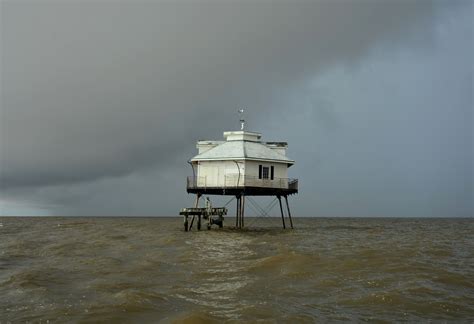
97	91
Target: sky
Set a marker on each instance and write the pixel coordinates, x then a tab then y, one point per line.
102	102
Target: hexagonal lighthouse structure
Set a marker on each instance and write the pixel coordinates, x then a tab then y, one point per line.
242	165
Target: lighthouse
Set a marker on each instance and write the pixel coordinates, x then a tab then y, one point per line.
241	165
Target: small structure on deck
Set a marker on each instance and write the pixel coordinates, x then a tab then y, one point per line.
241	165
214	216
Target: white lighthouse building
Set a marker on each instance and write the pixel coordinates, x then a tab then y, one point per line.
242	165
242	161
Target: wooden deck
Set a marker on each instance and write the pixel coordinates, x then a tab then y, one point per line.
214	216
203	211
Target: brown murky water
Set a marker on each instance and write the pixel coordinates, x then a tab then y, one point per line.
149	270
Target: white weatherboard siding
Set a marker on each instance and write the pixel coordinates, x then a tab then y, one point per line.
226	174
280	179
219	173
280	169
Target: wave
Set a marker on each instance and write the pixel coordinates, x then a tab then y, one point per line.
32	278
192	317
287	263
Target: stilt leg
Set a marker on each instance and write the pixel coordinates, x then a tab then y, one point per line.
289	213
221	221
237	216
186	223
240	222
242	210
197	200
196	204
199	223
281	209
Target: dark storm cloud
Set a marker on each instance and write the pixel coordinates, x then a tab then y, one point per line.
102	102
100	89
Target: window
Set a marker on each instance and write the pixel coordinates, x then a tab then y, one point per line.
265	172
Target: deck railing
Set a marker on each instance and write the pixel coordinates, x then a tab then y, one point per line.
236	181
293	184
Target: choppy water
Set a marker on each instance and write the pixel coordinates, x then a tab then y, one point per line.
149	270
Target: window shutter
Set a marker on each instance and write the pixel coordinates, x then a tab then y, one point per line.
272	172
260	171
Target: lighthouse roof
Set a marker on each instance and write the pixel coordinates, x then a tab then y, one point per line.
243	146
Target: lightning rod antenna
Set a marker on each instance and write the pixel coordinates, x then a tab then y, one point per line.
242	120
